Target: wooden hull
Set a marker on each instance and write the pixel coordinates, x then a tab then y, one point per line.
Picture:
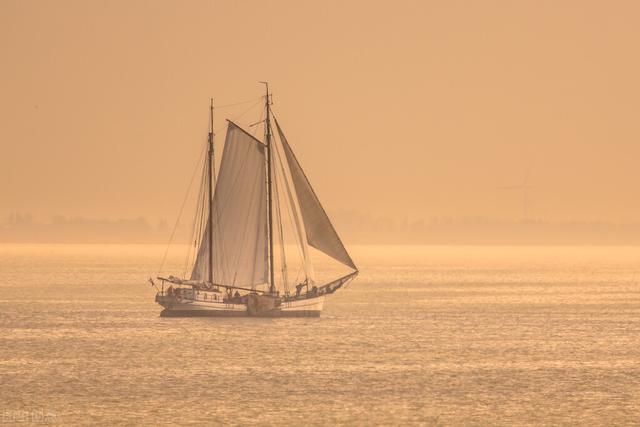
178	307
205	313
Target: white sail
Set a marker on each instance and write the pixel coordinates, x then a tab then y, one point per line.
293	209
240	250
320	233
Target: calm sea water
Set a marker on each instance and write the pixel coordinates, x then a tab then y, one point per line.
424	336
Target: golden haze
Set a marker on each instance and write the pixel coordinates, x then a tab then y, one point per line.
412	110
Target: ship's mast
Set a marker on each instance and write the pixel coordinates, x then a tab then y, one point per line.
267	137
211	178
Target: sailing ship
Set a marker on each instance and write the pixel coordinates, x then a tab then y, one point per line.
234	267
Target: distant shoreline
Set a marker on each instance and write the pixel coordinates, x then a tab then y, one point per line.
355	229
369	244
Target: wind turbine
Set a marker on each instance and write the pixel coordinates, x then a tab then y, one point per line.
524	187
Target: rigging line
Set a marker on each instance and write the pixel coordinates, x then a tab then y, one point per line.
238	103
184	201
210	195
237	116
191	249
296	217
301	257
256	128
191	242
260	251
292	214
196	228
212	174
200	217
283	261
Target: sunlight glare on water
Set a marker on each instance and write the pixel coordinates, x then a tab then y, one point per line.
425	335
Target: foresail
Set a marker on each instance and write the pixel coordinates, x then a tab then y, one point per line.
320	233
293	209
240	251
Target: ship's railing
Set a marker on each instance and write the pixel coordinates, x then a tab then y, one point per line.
182	287
191	293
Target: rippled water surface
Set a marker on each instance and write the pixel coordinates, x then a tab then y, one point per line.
424	336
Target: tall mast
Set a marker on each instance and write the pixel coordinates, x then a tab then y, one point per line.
211	178
267	137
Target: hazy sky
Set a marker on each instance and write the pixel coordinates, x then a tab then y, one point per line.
417	109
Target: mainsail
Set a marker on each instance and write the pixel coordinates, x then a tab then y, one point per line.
239	209
320	233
